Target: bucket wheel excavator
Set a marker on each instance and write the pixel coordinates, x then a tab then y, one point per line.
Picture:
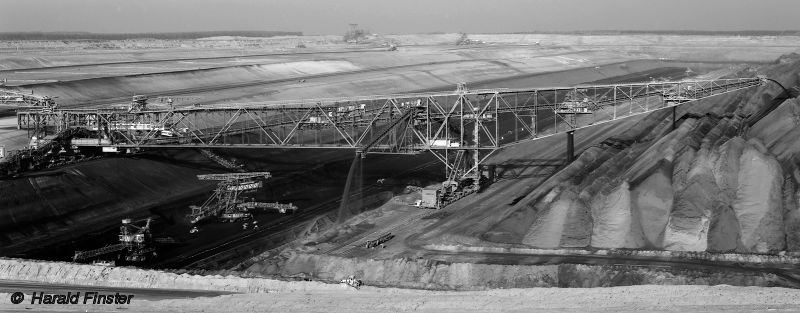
228	204
136	244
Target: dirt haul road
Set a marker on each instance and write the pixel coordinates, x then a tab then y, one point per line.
370	299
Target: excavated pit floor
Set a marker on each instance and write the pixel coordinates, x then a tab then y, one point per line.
324	183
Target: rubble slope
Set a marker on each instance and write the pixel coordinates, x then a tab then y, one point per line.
724	180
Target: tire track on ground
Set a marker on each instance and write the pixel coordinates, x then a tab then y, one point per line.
7	71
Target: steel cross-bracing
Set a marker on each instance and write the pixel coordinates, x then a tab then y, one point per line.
474	122
14	98
226	197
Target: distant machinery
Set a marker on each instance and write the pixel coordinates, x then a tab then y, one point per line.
138	103
227	204
575	103
229	164
378	241
20	99
276	206
463	40
141	103
51	151
351	281
135	244
354	35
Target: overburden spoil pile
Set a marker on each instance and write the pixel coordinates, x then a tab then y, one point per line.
726	180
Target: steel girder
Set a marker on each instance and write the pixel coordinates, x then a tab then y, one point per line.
480	121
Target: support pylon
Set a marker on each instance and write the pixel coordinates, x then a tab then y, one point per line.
570	146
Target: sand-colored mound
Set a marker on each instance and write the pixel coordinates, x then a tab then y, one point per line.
791	210
758	200
547	230
689	220
611	216
652	199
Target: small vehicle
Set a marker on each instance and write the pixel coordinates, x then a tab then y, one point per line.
103	263
236	216
352	282
194	230
378	242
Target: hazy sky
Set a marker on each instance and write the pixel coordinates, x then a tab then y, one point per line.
396	16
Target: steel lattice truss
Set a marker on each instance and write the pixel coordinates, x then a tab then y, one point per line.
226	195
232	177
480	121
20	99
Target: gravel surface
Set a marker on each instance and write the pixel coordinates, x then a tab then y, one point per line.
369	299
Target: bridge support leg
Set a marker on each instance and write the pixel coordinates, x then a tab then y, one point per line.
673	117
570	146
477	178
